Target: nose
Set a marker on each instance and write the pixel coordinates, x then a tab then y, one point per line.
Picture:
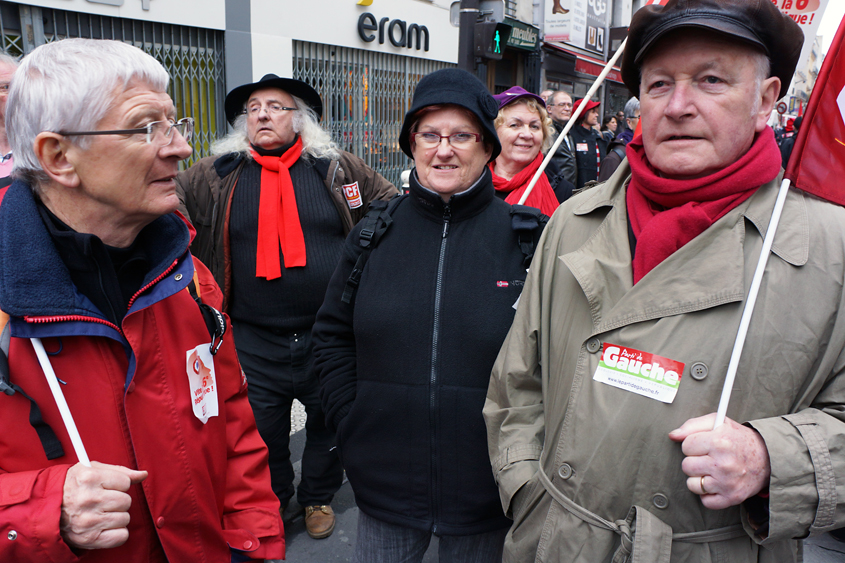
681	101
177	147
444	149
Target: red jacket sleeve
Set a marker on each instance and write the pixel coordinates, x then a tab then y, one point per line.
30	510
251	519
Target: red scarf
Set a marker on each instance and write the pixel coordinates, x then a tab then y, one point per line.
666	214
542	196
278	217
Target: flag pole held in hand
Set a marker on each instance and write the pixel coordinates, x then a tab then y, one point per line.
571	121
817	156
67	418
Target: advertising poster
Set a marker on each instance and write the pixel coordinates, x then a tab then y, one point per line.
808	14
582	23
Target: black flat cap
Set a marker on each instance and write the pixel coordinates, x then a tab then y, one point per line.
756	22
460	88
238	97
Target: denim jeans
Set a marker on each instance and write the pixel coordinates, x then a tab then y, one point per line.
380	542
278	370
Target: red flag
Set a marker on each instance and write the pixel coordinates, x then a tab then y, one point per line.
817	163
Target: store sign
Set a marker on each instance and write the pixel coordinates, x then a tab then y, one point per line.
399	33
522	36
145	4
582	23
594	69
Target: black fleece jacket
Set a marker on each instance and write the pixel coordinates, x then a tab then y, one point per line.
404	369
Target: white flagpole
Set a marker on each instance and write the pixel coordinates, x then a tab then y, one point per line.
745	320
571	121
53	381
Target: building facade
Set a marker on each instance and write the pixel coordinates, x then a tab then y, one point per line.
187	41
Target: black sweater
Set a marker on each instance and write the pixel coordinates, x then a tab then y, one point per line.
404	370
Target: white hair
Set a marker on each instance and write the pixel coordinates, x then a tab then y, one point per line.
70	85
8	60
316	141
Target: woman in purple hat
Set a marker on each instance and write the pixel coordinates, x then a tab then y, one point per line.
526	132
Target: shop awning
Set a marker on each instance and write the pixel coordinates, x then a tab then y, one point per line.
588	65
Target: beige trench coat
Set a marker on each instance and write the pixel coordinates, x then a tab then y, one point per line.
601	476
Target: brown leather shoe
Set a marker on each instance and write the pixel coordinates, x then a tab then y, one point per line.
319	521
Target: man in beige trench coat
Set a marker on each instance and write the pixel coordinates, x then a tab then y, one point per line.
600	408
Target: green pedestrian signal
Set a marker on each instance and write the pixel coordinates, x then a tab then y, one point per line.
490	39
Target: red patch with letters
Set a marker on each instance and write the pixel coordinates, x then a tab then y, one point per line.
353	195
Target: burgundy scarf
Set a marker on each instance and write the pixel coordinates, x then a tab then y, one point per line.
666	214
541	197
278	216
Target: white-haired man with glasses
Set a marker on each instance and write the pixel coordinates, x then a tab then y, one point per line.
272	209
96	271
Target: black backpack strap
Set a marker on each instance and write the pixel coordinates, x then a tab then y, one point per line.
528	224
373	226
620	151
215	322
49	441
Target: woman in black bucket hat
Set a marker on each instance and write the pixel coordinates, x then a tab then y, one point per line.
405	363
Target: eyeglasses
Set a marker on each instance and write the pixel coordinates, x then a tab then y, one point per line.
159	131
430	139
272	109
569	105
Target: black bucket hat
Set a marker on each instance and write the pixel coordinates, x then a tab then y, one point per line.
238	97
456	87
756	22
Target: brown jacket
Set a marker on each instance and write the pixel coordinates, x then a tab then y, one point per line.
205	194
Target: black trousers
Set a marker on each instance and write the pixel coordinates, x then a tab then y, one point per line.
278	370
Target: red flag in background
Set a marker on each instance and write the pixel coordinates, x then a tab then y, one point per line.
817	163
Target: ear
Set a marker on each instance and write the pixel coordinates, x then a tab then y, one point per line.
52	150
769	90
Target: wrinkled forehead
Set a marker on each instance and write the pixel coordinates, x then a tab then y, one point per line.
268	95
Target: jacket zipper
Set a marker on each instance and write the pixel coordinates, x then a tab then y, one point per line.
68	318
435	344
152	283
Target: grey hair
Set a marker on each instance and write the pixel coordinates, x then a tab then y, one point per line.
70	85
632	106
316	141
8	60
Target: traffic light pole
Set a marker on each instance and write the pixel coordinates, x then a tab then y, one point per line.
466	37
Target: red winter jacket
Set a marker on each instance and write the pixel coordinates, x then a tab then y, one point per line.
127	387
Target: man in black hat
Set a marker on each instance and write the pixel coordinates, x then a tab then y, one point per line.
272	209
601	407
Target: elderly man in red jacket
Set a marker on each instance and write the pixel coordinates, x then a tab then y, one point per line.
96	269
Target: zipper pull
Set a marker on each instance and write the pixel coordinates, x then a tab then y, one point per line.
447	216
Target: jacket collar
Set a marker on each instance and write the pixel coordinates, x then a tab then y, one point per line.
33	279
706	272
792	241
461	206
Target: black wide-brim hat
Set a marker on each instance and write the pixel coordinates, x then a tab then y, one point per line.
238	97
456	87
756	22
